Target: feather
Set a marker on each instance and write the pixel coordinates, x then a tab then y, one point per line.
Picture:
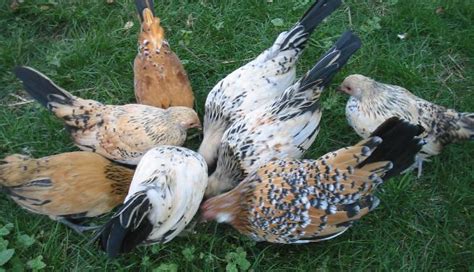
160	79
260	81
285	128
164	195
107	129
72	186
292	201
372	102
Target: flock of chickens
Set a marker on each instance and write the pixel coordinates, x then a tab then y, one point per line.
259	120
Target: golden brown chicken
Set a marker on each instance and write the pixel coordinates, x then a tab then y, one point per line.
160	78
66	187
120	133
372	102
293	201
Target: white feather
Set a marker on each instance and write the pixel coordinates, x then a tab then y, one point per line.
179	178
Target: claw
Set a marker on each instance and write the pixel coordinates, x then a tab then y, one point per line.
419	166
77	228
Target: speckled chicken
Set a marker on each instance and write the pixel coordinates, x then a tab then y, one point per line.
160	78
120	133
284	129
259	81
66	187
372	102
300	201
165	193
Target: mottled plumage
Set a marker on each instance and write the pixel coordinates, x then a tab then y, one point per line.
283	129
120	133
165	193
259	81
68	186
372	102
292	201
160	78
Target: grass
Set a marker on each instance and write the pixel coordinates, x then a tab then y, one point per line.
421	224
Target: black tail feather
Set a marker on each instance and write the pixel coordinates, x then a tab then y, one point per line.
41	88
331	62
300	33
143	4
128	228
317	12
399	145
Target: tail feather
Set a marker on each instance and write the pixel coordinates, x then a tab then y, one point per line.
142	5
299	34
128	228
41	88
75	112
331	62
400	145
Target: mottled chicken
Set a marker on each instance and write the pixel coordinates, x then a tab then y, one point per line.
120	133
372	102
284	129
299	201
259	81
165	193
160	78
67	187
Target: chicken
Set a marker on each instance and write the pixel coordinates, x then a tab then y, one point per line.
120	133
67	187
160	78
299	201
165	193
259	81
372	102
284	129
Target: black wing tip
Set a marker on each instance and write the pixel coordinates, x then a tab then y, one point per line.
115	238
332	61
397	125
317	12
348	44
21	72
400	145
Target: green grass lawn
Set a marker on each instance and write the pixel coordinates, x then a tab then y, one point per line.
421	224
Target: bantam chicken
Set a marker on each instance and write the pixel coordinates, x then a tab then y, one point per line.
259	81
67	187
160	78
165	193
372	102
120	133
292	202
284	129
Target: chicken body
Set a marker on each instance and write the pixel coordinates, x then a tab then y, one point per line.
165	193
159	77
66	186
291	201
284	129
372	102
120	133
259	81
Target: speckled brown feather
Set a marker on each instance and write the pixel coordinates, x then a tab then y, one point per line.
293	201
72	184
160	78
273	192
120	133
